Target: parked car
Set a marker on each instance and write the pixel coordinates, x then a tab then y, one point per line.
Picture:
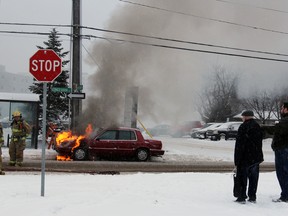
184	128
112	143
194	133
227	130
267	130
202	133
160	130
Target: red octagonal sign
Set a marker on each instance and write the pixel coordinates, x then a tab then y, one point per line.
45	65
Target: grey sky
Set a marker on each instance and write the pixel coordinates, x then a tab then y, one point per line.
171	75
17	49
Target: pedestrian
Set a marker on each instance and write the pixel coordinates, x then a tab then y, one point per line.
248	155
280	148
20	131
1	143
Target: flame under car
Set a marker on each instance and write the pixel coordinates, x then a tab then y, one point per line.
109	144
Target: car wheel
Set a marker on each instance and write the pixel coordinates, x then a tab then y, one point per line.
222	136
79	154
142	154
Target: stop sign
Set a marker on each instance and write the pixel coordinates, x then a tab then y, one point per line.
45	65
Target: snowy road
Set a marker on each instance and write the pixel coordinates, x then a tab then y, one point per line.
181	154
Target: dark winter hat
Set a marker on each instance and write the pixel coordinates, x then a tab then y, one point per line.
285	104
247	113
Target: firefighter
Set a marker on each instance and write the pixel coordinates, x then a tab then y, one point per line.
51	132
20	130
1	143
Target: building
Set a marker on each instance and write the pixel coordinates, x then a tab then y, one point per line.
14	83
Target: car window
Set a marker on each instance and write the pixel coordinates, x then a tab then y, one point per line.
108	135
235	126
127	135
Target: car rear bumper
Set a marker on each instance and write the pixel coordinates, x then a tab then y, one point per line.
156	152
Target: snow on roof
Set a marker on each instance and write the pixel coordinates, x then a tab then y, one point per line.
256	115
19	97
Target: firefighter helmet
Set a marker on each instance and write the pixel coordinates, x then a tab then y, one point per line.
16	113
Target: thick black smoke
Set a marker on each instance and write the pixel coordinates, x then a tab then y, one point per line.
168	79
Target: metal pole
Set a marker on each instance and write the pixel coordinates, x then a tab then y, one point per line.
43	138
76	72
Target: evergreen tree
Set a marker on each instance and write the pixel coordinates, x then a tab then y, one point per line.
57	102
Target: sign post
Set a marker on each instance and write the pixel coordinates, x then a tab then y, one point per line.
45	66
76	96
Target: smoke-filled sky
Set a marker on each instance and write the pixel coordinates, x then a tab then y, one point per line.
168	79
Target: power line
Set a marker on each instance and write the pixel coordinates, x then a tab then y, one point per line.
183	41
90	55
37	24
249	5
205	18
188	49
33	33
150	37
155	45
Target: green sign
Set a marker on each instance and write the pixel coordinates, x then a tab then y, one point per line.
61	89
80	87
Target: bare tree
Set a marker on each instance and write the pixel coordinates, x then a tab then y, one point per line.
219	100
279	97
262	103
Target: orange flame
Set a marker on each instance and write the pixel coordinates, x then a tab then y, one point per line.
68	136
63	158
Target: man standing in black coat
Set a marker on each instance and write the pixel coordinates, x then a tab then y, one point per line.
248	155
280	147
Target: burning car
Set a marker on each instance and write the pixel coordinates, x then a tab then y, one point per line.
109	143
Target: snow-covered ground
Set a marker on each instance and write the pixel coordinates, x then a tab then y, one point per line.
178	149
134	194
141	193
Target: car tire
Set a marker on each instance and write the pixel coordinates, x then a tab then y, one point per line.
142	154
222	136
79	154
213	138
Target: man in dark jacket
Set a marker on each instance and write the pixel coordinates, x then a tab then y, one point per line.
248	155
280	147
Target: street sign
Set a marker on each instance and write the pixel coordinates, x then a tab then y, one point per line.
80	87
45	65
61	89
76	96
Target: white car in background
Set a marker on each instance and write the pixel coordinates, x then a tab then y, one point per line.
228	130
202	133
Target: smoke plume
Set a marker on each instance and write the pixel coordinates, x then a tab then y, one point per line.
168	79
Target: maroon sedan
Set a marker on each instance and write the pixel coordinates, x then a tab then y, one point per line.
112	143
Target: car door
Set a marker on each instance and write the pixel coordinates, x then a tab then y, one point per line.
104	144
232	131
126	143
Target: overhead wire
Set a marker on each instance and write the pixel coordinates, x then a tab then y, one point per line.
254	6
159	45
205	18
184	41
188	49
33	33
37	24
146	36
90	55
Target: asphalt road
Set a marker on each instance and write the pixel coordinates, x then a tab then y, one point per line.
116	167
182	155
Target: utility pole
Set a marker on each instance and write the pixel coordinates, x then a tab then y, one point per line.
76	105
